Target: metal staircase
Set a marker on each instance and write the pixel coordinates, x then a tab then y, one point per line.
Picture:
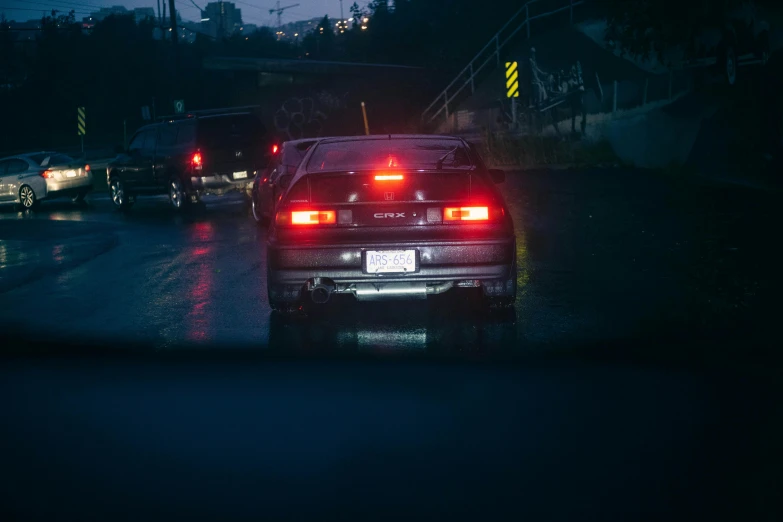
488	57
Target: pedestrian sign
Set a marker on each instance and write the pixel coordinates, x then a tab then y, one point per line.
512	80
179	106
81	125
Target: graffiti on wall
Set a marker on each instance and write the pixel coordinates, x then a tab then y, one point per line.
306	117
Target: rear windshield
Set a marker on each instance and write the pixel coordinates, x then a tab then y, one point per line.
411	153
225	131
415	186
46	159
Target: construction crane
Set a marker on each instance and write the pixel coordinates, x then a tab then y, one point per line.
279	10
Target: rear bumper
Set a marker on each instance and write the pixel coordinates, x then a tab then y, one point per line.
221	184
439	262
68	187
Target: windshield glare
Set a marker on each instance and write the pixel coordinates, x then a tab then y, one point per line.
392	153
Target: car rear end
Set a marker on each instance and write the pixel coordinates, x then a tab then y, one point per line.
65	176
391	233
230	151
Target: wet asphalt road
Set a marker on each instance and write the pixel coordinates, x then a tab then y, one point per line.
605	257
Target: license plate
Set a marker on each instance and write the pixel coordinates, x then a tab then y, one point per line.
240	175
70	173
390	261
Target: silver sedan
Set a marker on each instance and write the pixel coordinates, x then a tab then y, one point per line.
26	179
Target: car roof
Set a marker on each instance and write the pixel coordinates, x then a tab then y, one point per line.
190	117
221	115
302	140
29	155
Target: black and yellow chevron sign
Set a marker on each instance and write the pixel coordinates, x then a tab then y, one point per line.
512	80
81	121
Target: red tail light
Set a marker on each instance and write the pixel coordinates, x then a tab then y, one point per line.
275	148
466	214
86	168
48	174
196	161
307	217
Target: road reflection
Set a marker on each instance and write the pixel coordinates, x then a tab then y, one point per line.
201	266
441	325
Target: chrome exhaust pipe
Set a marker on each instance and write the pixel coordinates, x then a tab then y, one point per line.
384	291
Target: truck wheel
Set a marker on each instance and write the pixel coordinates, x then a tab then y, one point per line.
119	196
79	198
177	195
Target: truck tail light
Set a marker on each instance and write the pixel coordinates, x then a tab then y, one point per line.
197	161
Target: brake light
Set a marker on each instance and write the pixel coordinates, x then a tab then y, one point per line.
274	149
388	177
48	174
308	217
466	214
86	168
196	161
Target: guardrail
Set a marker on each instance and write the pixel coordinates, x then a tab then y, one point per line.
491	51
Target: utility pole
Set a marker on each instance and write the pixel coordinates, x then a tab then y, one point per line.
220	21
173	15
341	11
163	22
174	39
160	20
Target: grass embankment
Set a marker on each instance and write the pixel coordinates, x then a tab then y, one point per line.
542	152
